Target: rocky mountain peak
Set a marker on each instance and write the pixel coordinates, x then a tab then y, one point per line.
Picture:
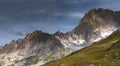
58	33
38	31
37	35
100	10
44	47
96	21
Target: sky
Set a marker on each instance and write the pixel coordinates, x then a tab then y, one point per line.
19	17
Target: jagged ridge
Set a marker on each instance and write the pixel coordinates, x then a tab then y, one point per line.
44	47
106	52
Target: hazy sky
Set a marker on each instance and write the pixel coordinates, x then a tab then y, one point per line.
19	17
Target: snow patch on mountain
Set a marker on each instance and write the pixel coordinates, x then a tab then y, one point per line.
105	33
78	42
10	58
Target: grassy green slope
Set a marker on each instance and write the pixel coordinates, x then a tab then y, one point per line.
106	52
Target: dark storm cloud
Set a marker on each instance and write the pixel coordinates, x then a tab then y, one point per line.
19	17
14	12
26	11
41	9
45	10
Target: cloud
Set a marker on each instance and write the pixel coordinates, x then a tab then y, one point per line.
25	9
18	17
110	4
76	15
12	32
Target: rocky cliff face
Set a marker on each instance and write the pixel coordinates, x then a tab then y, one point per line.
105	52
38	47
95	25
96	21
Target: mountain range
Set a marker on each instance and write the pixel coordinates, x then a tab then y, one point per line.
38	48
105	52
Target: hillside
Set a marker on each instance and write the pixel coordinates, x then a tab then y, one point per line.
105	52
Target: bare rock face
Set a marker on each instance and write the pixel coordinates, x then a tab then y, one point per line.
38	47
97	21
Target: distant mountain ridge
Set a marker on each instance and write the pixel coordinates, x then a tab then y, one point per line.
38	47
